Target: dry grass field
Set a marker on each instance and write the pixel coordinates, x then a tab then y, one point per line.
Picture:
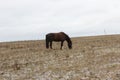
92	58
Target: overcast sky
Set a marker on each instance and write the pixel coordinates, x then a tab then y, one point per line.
32	19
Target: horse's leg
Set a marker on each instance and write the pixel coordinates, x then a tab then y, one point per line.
61	44
47	44
51	44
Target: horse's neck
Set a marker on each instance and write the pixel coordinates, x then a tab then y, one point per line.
68	40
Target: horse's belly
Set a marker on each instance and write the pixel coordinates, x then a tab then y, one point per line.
57	40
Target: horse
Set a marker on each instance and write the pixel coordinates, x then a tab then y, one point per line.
58	37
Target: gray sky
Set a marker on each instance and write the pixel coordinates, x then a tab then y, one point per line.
32	19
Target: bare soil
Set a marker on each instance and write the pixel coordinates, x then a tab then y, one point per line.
92	58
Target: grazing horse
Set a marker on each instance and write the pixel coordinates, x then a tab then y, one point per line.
61	36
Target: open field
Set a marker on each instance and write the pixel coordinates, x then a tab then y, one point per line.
92	58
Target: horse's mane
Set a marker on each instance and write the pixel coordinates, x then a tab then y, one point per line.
68	38
64	34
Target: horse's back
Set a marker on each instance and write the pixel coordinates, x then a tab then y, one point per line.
56	36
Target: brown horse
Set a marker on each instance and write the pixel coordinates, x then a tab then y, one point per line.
61	36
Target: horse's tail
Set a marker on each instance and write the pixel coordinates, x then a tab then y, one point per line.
47	42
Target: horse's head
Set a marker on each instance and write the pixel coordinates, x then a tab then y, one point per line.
70	45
